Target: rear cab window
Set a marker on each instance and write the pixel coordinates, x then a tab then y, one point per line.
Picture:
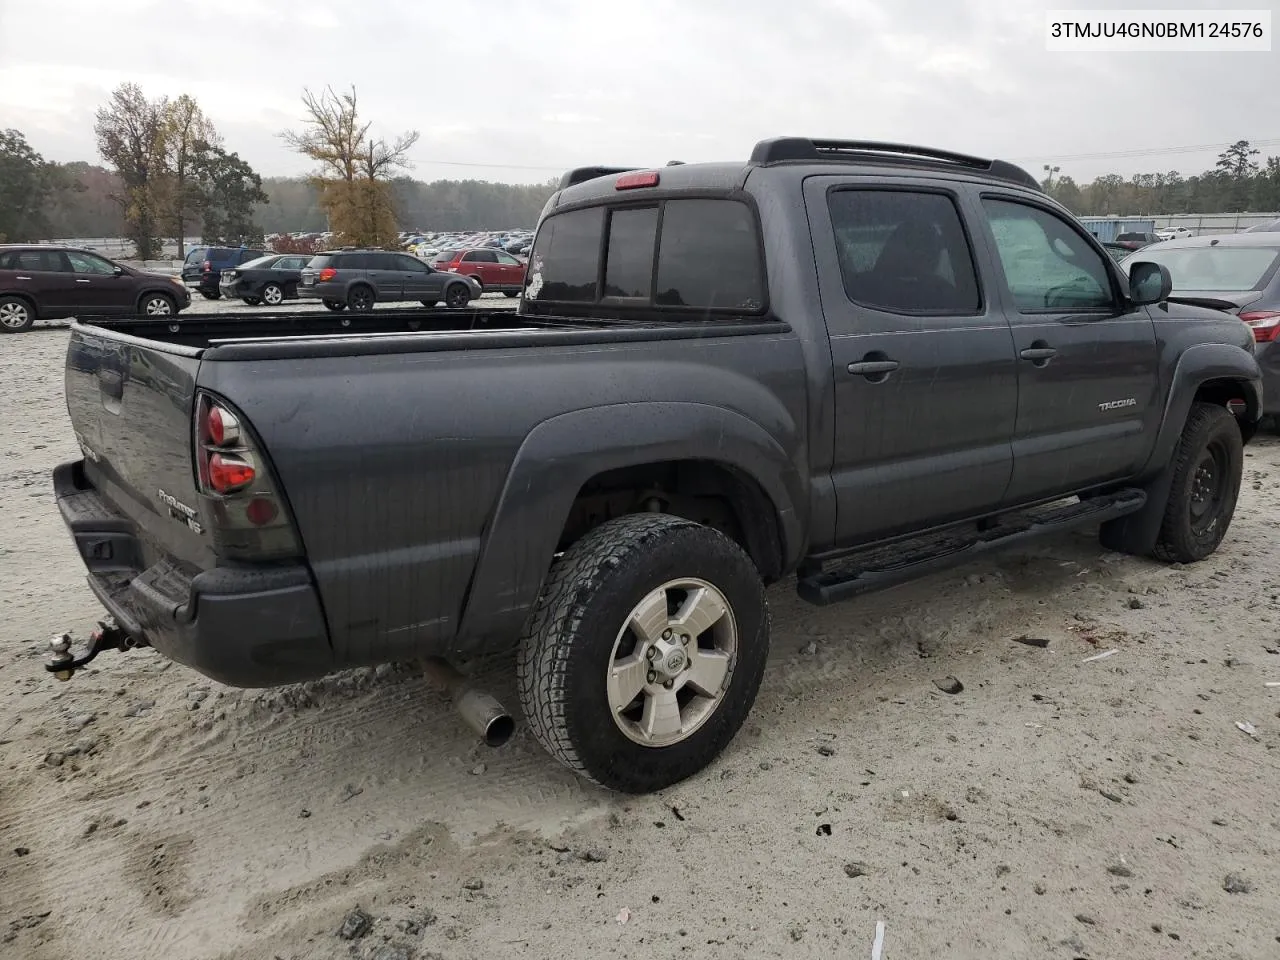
675	255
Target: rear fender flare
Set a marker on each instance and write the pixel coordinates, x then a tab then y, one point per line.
561	454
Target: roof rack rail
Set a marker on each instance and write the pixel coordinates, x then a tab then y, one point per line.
583	174
782	149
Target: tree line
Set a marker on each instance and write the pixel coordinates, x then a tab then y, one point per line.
168	173
1237	183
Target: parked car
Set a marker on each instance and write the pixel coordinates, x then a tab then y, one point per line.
51	282
1136	241
1238	273
494	270
202	269
1270	226
357	279
613	473
271	279
1117	250
1174	233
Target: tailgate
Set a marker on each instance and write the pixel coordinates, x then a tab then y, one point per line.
130	402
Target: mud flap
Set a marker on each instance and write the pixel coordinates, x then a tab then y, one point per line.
1136	533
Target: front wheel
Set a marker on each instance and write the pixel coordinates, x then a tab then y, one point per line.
644	653
157	305
458	295
1207	470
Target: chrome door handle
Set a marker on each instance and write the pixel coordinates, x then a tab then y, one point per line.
82	281
22	278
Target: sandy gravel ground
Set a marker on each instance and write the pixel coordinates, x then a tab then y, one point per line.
1053	808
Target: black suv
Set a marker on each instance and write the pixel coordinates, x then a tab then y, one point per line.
203	266
48	282
357	279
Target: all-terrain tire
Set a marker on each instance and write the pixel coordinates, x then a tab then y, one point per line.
1200	506
568	643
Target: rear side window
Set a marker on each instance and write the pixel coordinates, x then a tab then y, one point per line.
319	263
39	261
904	252
195	255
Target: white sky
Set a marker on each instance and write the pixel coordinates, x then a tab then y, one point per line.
519	90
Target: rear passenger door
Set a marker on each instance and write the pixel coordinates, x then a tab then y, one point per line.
925	378
46	277
1088	373
383	271
482	264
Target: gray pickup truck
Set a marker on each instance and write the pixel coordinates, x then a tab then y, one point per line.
852	362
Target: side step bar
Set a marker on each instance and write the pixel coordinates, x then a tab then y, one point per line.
889	565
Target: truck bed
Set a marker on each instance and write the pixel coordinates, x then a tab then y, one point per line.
297	333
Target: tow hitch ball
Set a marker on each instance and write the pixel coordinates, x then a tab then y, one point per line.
63	664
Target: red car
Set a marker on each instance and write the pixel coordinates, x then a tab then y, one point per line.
496	270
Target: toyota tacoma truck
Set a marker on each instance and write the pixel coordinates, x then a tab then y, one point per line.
848	362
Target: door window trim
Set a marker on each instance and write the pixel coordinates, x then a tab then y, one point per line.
952	195
1108	262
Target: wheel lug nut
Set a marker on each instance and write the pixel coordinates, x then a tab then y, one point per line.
669	684
652	676
653	653
666	634
684	638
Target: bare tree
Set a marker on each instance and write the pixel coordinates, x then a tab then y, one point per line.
355	168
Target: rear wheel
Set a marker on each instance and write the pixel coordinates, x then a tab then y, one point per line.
458	295
337	306
16	315
211	294
252	301
1207	470
430	303
360	299
272	295
511	293
156	305
644	653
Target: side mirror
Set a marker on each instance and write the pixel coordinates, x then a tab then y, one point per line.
118	271
1149	283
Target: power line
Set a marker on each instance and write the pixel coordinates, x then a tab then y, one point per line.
495	166
1149	152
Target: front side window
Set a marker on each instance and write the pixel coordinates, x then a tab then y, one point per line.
87	263
904	252
1048	265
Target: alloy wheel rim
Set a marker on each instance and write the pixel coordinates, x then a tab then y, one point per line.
13	315
158	307
671	662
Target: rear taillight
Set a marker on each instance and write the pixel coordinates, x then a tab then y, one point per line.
1265	324
249	519
206	266
328	273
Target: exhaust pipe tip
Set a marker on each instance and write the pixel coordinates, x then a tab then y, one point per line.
480	711
485	716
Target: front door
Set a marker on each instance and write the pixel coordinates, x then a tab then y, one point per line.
1088	367
510	273
413	277
97	288
925	380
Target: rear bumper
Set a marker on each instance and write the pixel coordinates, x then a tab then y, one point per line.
244	626
319	292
